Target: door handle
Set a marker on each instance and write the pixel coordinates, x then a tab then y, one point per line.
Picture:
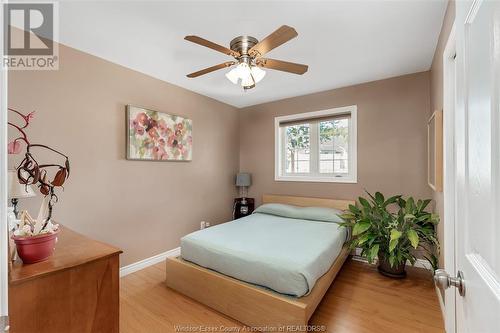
443	280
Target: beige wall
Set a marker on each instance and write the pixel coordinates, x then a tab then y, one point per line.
141	207
145	207
437	103
392	117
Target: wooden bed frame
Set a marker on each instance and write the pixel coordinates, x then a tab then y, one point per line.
249	304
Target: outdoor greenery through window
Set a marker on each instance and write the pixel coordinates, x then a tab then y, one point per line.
319	146
334	146
298	150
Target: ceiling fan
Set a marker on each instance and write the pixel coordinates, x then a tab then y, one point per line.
247	52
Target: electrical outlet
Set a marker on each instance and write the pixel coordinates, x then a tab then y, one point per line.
203	225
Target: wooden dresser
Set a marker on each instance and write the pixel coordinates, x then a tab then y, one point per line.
75	291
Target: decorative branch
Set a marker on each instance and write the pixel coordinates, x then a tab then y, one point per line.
14	147
30	172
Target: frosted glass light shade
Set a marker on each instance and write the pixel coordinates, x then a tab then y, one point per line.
17	190
240	72
246	75
247	81
258	74
233	76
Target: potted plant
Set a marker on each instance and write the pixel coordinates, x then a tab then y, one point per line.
390	230
35	239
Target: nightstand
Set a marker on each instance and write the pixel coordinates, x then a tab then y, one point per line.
242	210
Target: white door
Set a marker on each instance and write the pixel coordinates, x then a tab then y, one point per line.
478	165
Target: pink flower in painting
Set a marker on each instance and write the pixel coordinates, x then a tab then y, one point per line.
159	153
152	123
141	118
148	143
138	128
163	127
153	133
162	153
14	147
155	153
162	142
180	146
172	141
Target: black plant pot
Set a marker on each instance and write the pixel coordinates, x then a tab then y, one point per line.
384	268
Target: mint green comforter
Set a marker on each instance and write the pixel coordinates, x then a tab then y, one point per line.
283	254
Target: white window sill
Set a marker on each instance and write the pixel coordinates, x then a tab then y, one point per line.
345	180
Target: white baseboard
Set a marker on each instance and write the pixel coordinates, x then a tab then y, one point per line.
420	263
137	266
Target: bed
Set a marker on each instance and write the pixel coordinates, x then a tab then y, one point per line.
264	270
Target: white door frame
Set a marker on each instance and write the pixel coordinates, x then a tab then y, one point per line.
4	256
449	193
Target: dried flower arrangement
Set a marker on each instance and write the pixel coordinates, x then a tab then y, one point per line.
30	172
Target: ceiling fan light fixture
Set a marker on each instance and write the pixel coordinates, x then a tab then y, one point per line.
240	72
248	82
233	75
248	54
258	73
246	75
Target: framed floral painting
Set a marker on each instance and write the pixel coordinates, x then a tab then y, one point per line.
158	136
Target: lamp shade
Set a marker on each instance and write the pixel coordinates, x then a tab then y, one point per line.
17	190
243	179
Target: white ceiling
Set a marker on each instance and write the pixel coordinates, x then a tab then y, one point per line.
343	42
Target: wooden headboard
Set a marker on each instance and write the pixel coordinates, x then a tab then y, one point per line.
307	201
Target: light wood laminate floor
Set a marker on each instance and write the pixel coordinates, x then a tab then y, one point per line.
359	300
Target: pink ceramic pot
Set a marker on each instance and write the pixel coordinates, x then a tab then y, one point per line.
37	248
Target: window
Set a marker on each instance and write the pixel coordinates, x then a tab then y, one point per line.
317	146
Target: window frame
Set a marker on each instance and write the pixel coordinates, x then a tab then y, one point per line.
313	176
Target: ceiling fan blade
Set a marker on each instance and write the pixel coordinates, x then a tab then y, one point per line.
211	69
282	35
212	45
280	65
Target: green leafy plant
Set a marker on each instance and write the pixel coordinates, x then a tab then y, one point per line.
393	228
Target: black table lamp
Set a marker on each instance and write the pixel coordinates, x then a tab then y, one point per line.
243	180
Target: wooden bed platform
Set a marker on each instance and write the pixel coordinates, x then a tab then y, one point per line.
252	305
